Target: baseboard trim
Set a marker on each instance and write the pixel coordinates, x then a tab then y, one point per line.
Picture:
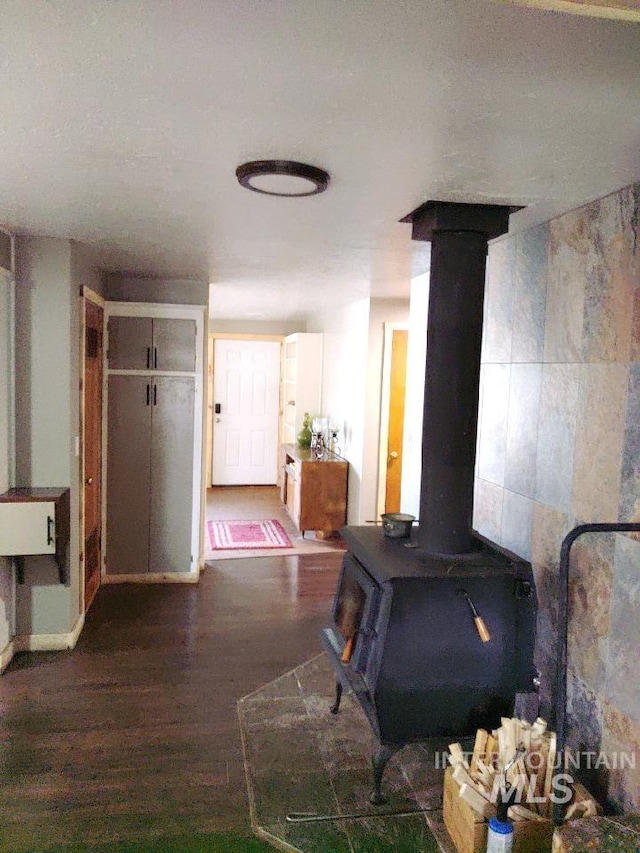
6	656
49	642
154	577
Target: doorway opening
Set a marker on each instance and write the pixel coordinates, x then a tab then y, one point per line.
245	411
241	373
392	417
243	425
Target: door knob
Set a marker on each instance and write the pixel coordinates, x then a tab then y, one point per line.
89	480
217	420
393	454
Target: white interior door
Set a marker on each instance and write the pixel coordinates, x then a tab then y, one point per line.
246	380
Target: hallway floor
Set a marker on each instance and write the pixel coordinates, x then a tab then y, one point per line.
134	733
227	503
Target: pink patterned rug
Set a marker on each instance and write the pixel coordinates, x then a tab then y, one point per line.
237	535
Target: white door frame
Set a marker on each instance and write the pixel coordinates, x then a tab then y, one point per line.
214	337
230	336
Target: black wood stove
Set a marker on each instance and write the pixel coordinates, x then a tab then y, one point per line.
405	638
435	633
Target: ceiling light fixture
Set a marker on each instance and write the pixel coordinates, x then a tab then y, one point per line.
282	177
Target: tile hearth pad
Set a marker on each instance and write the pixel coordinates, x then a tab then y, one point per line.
299	758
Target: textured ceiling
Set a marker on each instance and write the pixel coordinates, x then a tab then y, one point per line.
122	123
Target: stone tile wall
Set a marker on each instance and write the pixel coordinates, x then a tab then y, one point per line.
559	445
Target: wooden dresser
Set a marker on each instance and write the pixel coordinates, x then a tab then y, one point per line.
314	490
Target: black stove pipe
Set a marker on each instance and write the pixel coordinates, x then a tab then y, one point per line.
459	235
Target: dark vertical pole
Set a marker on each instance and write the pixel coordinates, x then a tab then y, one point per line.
452	378
459	235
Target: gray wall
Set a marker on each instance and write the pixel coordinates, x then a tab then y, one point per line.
6	576
122	288
559	445
47	416
5	251
84	270
49	276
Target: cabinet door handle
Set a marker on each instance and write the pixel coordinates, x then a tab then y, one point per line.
155	357
148	357
50	528
155	395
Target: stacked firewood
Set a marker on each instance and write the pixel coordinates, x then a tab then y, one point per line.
517	761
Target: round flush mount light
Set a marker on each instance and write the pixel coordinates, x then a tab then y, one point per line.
282	177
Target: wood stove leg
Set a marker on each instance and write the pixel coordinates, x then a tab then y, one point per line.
379	762
336	705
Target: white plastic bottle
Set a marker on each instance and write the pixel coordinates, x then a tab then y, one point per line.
499	836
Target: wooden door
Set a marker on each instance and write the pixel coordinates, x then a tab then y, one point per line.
396	419
92	450
246	379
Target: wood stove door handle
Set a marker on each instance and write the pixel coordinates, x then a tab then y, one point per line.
347	651
483	631
478	621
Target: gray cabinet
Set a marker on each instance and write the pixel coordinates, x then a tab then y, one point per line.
172	451
128	475
150	452
151	343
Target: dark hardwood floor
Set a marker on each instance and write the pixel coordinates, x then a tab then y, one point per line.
134	733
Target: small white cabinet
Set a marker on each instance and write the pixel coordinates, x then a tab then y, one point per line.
27	528
35	521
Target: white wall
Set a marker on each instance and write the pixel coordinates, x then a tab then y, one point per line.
414	399
344	370
351	386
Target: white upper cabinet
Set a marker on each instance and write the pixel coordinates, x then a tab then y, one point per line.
302	381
